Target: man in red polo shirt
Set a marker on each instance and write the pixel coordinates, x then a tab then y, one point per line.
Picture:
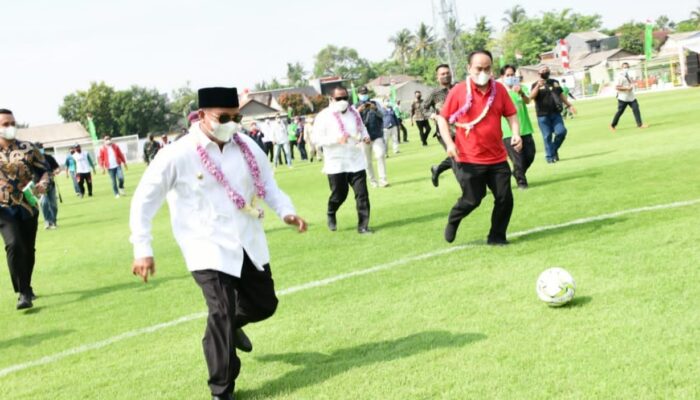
478	150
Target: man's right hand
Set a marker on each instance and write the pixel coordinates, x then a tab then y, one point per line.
143	267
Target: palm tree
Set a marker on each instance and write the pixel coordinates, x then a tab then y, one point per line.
695	14
513	16
295	74
403	46
424	41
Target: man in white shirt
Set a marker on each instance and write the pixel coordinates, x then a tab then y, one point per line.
626	97
341	132
281	140
83	164
213	178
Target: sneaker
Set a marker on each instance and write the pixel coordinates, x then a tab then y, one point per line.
612	129
383	184
363	230
373	184
643	126
522	186
116	196
52	227
122	192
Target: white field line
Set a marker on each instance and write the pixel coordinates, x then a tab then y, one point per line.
324	282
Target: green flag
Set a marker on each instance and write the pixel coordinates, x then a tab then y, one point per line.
648	40
502	61
392	96
91	129
353	92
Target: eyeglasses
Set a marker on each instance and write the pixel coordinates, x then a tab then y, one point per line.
225	118
346	98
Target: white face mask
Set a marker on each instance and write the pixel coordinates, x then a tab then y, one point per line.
224	132
341	106
9	132
482	79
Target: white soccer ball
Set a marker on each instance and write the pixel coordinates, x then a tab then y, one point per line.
555	287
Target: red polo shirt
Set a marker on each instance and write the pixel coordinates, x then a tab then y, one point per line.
484	144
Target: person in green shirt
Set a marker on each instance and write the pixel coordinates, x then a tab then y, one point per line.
292	136
519	94
567	93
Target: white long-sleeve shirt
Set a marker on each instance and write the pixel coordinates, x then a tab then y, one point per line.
338	158
279	132
211	232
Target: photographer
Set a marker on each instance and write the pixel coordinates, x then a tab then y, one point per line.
373	119
549	103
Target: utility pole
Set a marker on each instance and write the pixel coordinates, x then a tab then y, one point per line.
447	26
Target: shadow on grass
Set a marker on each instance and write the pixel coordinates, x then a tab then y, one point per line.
425	179
578	302
602	153
412	220
564	178
34	339
88	294
587	226
318	367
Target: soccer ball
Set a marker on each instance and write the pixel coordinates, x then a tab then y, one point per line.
556	287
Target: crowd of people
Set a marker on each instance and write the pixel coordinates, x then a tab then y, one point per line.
218	178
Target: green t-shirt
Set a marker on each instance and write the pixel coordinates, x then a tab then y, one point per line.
523	116
292	132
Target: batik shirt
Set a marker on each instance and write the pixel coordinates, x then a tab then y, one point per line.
20	163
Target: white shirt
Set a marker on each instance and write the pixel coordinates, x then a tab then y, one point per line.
82	164
111	158
338	158
211	232
624	81
279	132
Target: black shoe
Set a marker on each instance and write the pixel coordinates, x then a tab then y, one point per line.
497	242
31	294
24	301
226	396
451	232
435	178
522	186
332	224
363	230
241	341
556	157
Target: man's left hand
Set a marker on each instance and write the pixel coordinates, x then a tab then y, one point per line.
297	221
517	142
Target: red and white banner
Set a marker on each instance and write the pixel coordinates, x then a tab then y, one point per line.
564	54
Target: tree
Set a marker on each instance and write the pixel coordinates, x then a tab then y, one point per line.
403	46
631	37
424	45
97	101
479	38
184	100
295	102
695	15
319	102
140	111
296	75
664	23
344	62
513	16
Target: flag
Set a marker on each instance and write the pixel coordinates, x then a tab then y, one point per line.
290	112
564	54
91	129
502	61
648	40
392	95
353	92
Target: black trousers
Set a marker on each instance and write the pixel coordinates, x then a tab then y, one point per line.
521	160
232	303
82	179
340	184
423	131
269	146
621	106
403	129
474	178
19	236
447	162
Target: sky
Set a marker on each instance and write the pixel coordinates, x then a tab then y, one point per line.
53	48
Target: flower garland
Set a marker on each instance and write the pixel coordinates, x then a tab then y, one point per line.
358	122
467	105
232	194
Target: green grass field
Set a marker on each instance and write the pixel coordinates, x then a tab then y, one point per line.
462	324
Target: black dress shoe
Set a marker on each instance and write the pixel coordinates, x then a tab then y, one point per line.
226	396
435	178
241	341
24	301
363	230
497	242
332	223
31	294
451	232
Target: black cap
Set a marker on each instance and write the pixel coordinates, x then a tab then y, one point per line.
39	145
363	90
218	97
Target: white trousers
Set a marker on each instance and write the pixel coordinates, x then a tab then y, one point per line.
393	134
377	150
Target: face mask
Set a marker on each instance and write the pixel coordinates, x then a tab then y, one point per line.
341	106
482	79
224	132
511	80
545	75
9	132
364	97
446	80
108	142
